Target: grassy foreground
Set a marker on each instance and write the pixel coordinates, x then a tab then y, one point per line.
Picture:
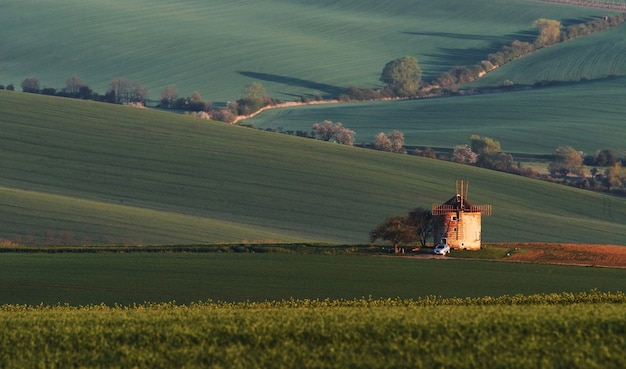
553	331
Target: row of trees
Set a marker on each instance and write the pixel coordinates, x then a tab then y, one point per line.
403	76
333	132
394	142
487	153
253	98
121	91
566	161
336	132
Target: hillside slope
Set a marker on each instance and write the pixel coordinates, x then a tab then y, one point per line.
293	47
586	115
109	173
589	57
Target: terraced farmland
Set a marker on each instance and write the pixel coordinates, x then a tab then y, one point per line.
293	47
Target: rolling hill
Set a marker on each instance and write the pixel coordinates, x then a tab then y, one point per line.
589	57
586	115
103	173
294	48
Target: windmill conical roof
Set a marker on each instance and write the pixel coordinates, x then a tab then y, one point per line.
455	202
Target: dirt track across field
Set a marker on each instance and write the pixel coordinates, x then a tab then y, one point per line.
571	254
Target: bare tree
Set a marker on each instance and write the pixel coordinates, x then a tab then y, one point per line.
124	91
31	84
73	85
169	94
422	220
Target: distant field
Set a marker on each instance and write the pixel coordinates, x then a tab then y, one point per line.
83	172
590	57
293	47
79	279
587	116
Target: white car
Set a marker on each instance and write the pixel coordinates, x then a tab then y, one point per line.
442	249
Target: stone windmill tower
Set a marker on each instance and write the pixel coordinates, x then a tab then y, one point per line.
457	221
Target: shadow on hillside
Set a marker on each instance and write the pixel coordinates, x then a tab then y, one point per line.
291	81
582	81
570	21
496	41
461	36
448	58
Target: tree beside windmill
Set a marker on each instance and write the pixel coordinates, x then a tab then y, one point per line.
457	221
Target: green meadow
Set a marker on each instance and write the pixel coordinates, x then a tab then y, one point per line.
133	278
89	173
170	188
294	48
591	57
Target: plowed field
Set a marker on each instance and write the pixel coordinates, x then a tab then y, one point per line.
572	254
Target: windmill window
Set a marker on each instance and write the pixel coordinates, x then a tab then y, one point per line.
454	217
454	229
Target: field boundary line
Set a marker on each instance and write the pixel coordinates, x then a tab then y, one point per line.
590	4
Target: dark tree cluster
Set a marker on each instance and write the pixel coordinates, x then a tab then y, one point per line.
121	91
254	98
414	228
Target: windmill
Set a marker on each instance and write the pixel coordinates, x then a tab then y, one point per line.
458	221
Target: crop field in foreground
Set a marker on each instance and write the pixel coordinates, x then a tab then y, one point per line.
294	48
557	331
587	116
81	279
76	172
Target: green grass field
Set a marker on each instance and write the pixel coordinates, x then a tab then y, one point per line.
115	174
590	57
78	172
586	116
556	331
81	279
293	48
